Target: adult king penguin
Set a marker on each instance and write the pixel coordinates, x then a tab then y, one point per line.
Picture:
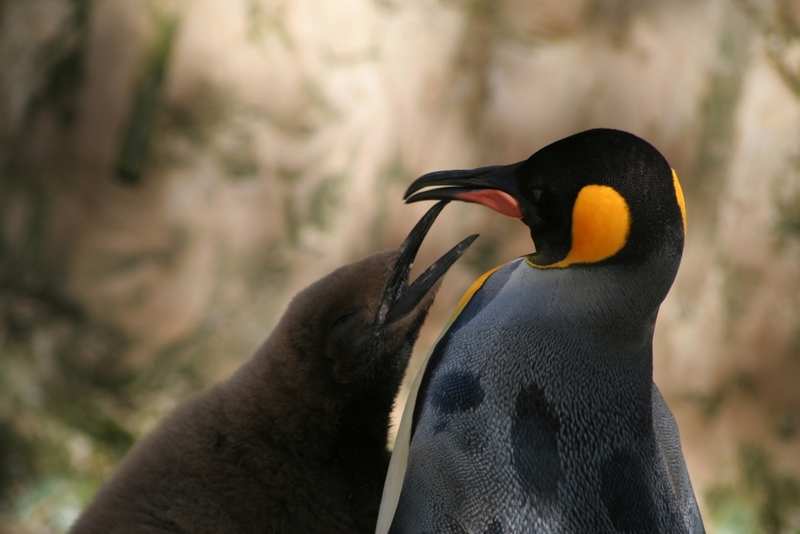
536	411
295	441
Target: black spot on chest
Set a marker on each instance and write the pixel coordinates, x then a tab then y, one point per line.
534	440
456	391
490	289
494	528
627	494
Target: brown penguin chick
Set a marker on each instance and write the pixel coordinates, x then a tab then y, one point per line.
295	440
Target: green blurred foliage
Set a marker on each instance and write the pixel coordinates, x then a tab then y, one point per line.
761	501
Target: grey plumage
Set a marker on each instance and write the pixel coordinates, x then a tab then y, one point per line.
668	440
537	411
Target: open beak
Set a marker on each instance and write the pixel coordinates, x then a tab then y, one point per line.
494	187
399	298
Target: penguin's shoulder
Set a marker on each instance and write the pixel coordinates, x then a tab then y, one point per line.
506	282
450	380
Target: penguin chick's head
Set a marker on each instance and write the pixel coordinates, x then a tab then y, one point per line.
599	196
362	320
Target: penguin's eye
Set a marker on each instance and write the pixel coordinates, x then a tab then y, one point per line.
344	317
532	188
533	191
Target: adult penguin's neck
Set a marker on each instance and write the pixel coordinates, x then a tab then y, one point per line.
612	296
603	317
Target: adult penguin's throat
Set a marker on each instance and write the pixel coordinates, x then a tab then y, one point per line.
399	298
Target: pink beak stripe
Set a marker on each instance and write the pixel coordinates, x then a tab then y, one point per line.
497	200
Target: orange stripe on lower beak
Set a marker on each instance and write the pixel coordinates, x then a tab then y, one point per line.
499	201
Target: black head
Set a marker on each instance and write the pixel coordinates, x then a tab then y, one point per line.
597	197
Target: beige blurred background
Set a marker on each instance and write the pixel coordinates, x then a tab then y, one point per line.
171	173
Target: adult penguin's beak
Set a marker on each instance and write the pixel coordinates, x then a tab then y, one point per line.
494	187
399	298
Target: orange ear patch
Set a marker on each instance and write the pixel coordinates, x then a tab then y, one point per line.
679	195
601	222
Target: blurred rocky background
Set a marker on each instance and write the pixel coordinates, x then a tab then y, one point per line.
172	172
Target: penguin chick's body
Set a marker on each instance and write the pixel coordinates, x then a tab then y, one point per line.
536	410
295	441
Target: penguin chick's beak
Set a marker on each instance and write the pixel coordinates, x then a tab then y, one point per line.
399	299
493	186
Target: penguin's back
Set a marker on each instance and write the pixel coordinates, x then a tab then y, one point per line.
523	423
